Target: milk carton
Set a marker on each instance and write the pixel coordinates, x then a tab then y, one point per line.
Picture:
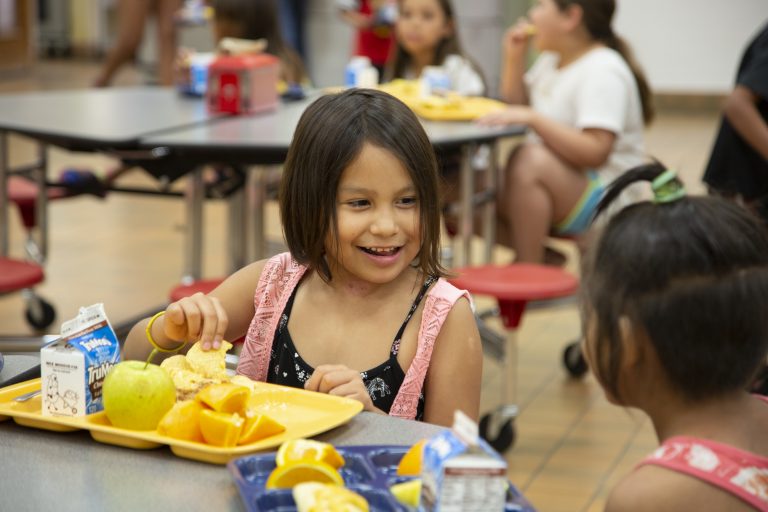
461	472
72	369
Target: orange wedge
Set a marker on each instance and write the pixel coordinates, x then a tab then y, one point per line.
301	450
285	477
410	464
258	427
182	421
223	397
220	428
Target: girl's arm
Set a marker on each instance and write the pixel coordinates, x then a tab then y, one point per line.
455	370
223	314
741	111
514	49
586	148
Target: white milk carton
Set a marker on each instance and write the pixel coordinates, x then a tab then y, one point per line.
461	472
72	369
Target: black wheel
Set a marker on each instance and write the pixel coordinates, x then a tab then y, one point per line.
41	314
574	361
504	439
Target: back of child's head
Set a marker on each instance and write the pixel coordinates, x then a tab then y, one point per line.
448	45
597	19
691	275
257	19
329	137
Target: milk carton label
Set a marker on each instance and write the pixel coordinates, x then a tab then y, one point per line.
462	473
73	368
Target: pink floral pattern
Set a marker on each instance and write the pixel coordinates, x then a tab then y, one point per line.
741	473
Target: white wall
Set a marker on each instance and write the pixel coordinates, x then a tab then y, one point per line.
690	46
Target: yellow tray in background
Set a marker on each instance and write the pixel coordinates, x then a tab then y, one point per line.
303	413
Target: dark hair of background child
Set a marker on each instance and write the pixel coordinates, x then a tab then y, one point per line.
328	138
692	275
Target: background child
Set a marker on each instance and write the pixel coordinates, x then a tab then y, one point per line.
738	166
585	101
675	325
426	35
360	212
257	19
373	21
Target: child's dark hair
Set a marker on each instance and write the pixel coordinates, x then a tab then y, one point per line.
329	137
598	15
690	274
258	19
398	63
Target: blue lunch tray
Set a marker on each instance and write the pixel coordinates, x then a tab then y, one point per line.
368	470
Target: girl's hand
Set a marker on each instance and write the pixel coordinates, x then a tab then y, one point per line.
516	114
516	38
198	317
336	379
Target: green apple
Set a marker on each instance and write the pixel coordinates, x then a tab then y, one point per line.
137	395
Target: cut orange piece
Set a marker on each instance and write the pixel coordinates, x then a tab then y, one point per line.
258	427
285	477
314	496
220	428
308	450
410	464
224	397
182	421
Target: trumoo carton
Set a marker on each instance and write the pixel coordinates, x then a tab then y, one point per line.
461	472
72	369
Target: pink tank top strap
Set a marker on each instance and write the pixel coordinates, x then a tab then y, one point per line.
740	473
278	279
437	304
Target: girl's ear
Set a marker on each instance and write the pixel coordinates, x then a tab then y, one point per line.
573	15
632	342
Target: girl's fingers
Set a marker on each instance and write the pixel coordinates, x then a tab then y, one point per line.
192	316
221	325
209	322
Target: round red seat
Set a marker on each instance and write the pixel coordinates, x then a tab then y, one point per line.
515	285
16	275
202	286
24	194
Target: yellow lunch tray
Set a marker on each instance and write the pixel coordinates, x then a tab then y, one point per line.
303	413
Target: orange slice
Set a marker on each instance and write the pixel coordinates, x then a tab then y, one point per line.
410	464
182	421
258	427
224	397
220	428
285	477
313	496
308	450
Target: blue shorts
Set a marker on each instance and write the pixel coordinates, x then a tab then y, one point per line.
580	217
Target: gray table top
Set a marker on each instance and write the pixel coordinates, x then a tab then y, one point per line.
44	470
99	118
270	133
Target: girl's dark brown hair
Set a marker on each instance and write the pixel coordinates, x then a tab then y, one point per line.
257	19
597	16
329	137
398	63
692	276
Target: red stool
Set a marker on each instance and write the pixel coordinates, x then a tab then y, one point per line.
513	286
21	276
202	286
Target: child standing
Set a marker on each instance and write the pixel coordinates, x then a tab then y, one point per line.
738	166
675	325
358	308
373	21
426	35
585	101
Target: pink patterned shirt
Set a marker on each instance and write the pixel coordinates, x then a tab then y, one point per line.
736	471
280	277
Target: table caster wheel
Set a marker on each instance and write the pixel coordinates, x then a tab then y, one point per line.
503	439
40	314
574	360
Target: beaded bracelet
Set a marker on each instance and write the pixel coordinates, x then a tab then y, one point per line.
152	340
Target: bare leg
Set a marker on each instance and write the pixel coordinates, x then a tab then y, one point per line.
166	40
539	190
131	17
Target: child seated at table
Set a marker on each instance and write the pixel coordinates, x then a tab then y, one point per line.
675	295
360	212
